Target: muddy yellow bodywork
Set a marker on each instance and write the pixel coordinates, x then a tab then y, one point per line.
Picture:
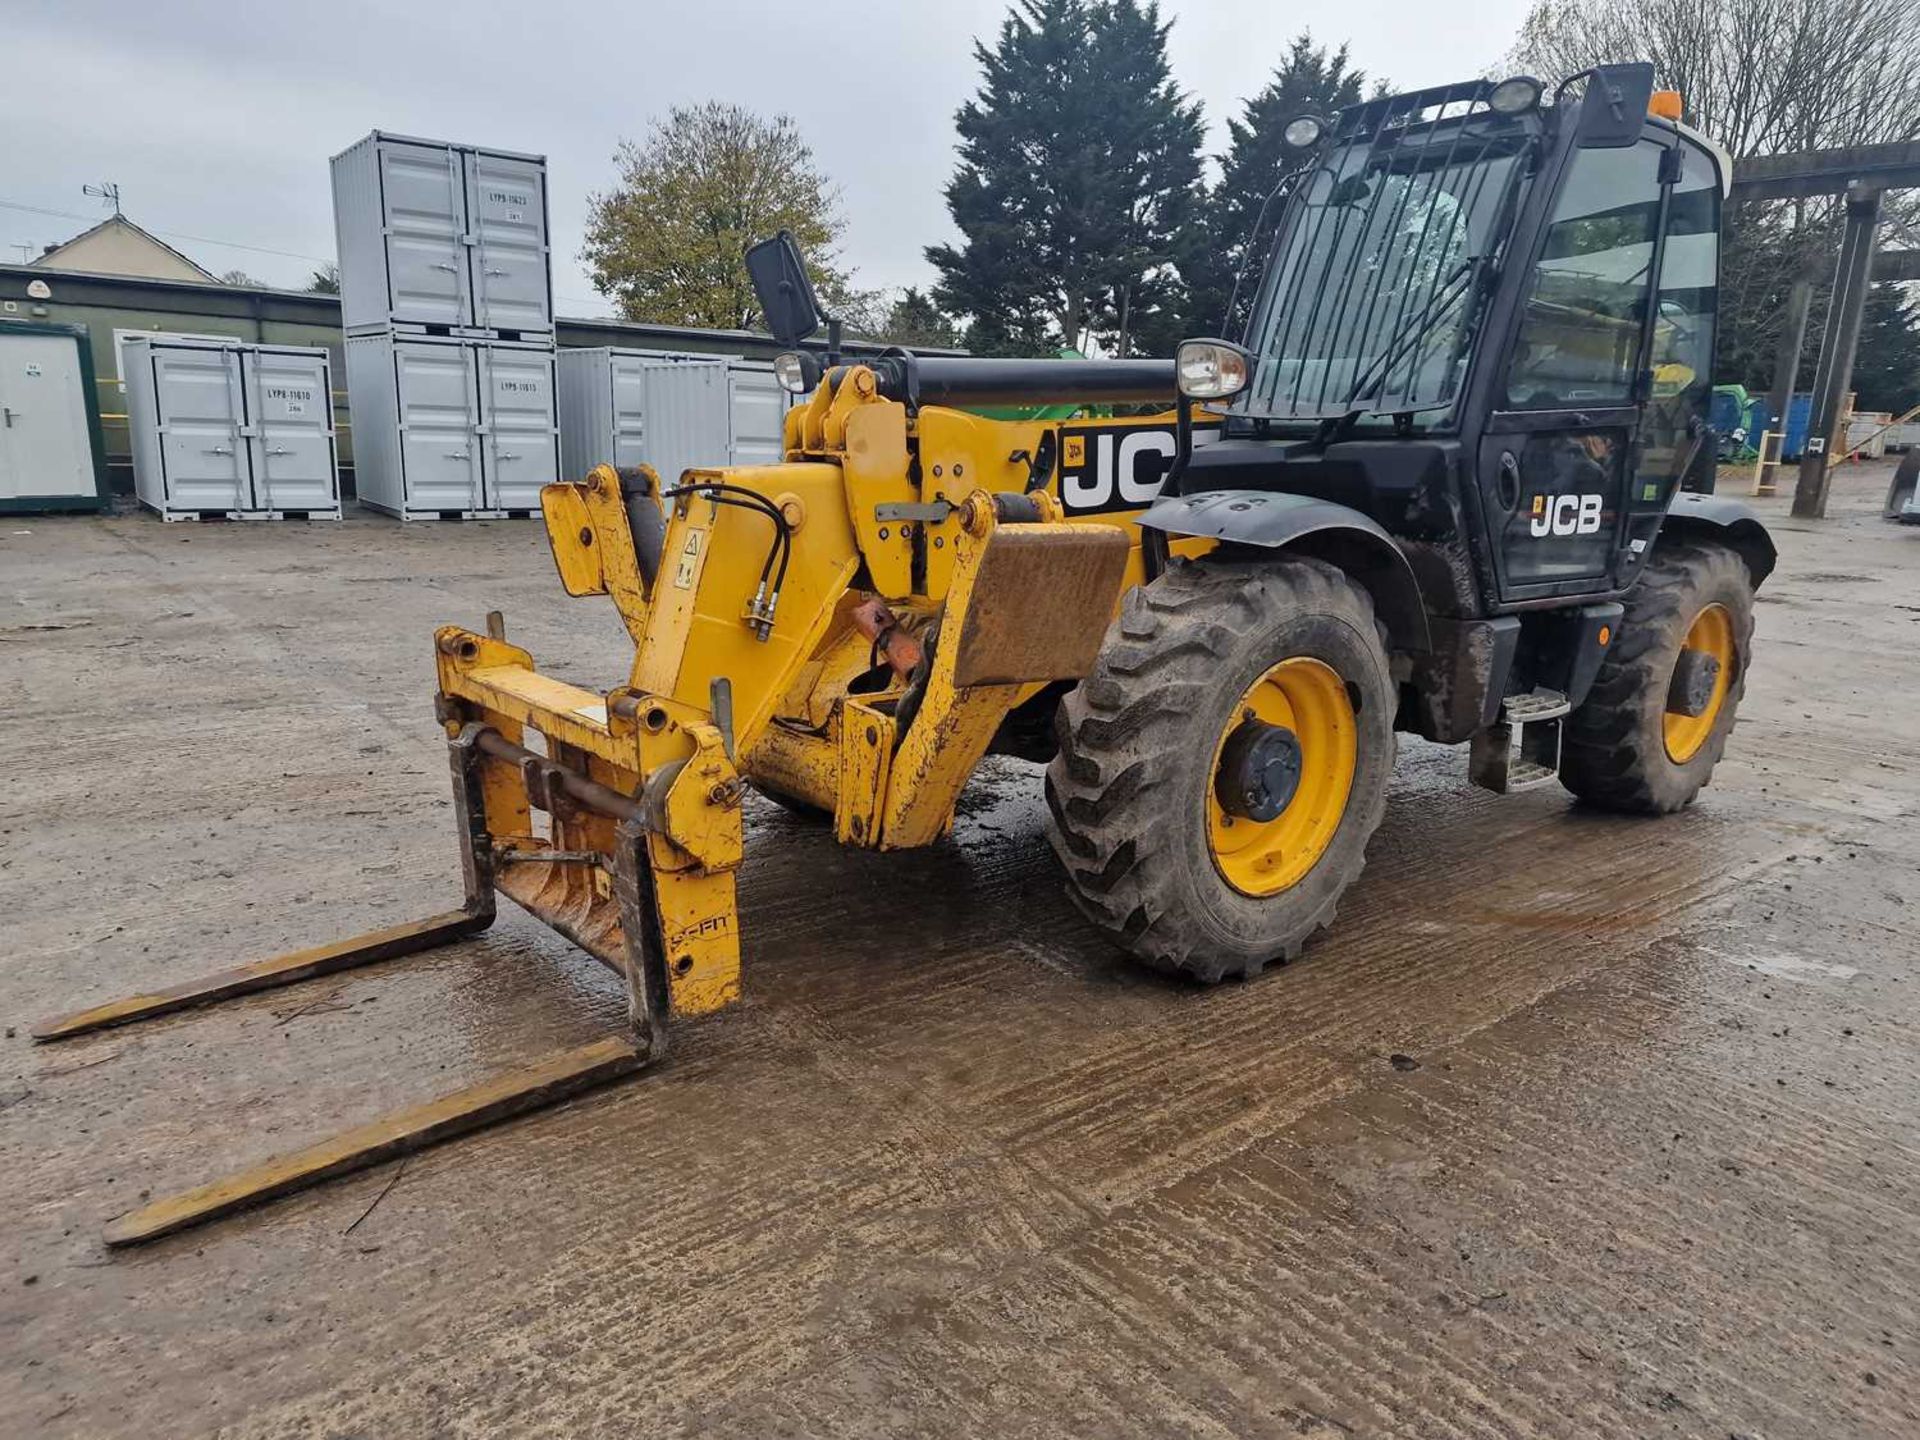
939	513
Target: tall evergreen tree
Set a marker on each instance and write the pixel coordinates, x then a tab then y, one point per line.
1078	180
1886	373
1309	80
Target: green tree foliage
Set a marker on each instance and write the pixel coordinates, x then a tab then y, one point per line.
324	281
666	243
916	321
1310	80
1078	182
1886	375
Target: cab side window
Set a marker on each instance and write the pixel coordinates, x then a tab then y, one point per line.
1580	335
1683	327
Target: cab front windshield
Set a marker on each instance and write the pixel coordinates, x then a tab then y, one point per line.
1374	282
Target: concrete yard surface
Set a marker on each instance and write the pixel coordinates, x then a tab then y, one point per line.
1573	1125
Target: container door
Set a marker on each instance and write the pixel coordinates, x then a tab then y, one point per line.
508	229
439	414
46	448
292	430
686	416
423	193
628	377
522	441
201	412
758	407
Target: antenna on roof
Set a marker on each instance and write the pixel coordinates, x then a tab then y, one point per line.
106	190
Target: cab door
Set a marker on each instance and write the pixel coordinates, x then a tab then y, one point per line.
1559	452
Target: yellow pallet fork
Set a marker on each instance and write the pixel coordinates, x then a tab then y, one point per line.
756	662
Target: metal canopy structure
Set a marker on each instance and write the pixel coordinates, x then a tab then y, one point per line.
1863	174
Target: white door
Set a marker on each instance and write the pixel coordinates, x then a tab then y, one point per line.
507	225
686	416
523	444
292	440
439	446
628	376
424	193
203	455
757	407
46	449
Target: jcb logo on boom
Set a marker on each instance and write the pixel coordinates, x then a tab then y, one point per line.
1118	467
1565	515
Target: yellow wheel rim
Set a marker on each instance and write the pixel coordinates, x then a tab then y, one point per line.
1712	633
1307	697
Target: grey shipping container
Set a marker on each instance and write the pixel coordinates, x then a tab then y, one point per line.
231	430
50	452
446	428
441	238
674	412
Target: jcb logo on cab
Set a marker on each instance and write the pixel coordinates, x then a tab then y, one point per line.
1566	514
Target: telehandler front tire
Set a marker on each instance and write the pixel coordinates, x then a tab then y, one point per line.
1225	763
1631	746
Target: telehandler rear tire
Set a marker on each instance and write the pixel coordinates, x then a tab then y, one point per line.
1625	749
1225	763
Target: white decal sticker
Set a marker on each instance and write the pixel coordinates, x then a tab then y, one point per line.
1565	515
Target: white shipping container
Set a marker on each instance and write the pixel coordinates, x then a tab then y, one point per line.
675	412
441	238
224	429
447	428
1867	433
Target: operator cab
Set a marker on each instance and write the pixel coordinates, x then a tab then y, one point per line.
1486	322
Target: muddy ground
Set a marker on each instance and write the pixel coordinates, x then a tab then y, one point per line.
1574	1125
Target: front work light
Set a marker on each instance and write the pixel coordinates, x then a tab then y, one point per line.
1211	369
796	372
1515	96
1303	132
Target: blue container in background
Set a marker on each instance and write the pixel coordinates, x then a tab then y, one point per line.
1799	413
1759	421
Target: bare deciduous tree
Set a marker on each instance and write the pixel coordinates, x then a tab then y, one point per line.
1762	77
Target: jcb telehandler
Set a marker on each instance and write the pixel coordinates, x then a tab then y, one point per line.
1439	489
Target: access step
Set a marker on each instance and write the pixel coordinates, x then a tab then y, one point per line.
1520	750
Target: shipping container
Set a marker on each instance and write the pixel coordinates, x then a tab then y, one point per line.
442	239
51	456
1867	434
225	430
451	429
675	412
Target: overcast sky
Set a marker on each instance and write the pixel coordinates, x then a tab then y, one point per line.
216	117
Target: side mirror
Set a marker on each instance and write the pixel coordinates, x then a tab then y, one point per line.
1613	112
780	282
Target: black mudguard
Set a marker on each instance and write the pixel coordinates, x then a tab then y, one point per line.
1732	522
1338	534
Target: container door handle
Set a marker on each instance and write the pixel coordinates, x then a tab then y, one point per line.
278	450
507	455
221	450
8	409
443	265
459	454
491	271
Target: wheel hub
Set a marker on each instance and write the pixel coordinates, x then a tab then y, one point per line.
1694	678
1282	771
1259	771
